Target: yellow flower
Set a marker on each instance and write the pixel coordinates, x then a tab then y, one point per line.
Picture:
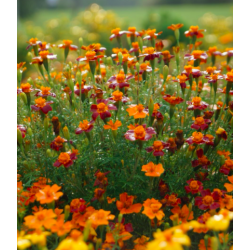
220	221
38	239
70	244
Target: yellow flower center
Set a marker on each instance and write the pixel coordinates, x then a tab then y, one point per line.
102	107
139	132
140	108
143	66
132	29
64	158
40	102
194	28
151	32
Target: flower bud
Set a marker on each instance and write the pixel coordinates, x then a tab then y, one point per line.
166	225
29	131
190	207
109	61
140	42
30	81
29	57
206	237
165	72
137	65
70	65
122	161
27	145
66	212
214	243
120	218
86	230
79	78
66	133
120	57
46	123
49	153
71	85
222	159
177	34
19	75
19	137
151	106
24	98
80	42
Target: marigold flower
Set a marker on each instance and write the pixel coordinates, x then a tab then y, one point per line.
150	54
102	109
43	55
190	70
84	88
202	160
141	243
220	222
172	100
226	202
194	186
84	126
171	200
197	104
98	194
67	44
33	42
151	33
44	92
157	148
95	47
42	104
227	167
229	186
206	201
26	87
194	31
101	217
49	194
168	240
152	209
113	126
119	80
110	200
117	96
212	51
200	123
152	170
171	145
140	133
78	206
183	214
57	143
125	204
221	133
61	228
197	138
117	33
69	243
101	179
65	159
197	55
138	111
175	26
44	218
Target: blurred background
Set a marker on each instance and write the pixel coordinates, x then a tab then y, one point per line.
55	20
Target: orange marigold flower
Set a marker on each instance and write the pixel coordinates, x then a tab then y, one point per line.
226	202
172	100
125	204
229	186
49	194
110	200
61	227
138	111
175	26
152	170
67	44
171	200
140	133
151	33
84	126
183	214
101	217
113	126
44	218
194	31
152	209
26	87
65	159
141	243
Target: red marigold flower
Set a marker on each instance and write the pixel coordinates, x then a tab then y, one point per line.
212	78
197	104
57	143
140	133
194	186
166	56
190	70
202	159
84	126
119	80
84	88
194	31
209	139
197	138
67	44
150	54
182	80
183	214
200	123
78	206
98	194
44	92
101	179
65	159
171	200
125	204
157	148
172	100
171	145
206	201
227	167
102	109
42	105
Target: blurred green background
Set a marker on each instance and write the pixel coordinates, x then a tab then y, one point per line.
55	20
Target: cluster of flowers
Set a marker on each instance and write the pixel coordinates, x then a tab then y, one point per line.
147	103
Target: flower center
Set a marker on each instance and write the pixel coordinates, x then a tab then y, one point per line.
64	158
149	50
115	31
67	42
40	217
102	107
199	120
40	102
59	140
139	132
135	45
166	54
151	32
25	87
196	101
197	54
90	55
158	146
194	28
117	95
120	78
140	108
45	90
84	125
132	29
208	199
197	136
193	185
44	54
